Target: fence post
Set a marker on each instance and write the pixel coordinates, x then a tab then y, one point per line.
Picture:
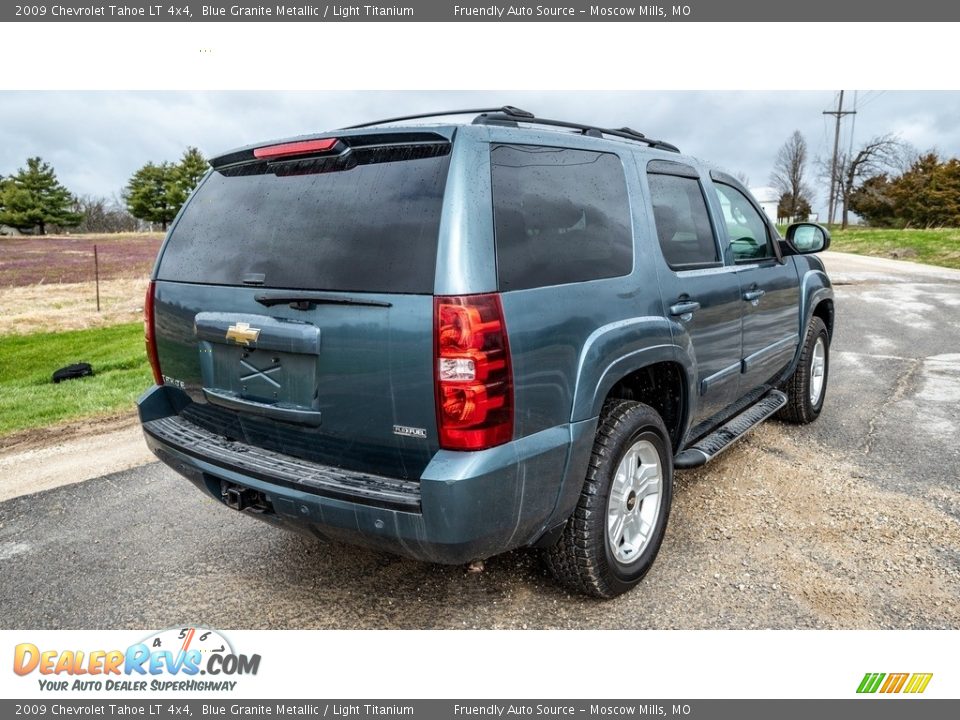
96	272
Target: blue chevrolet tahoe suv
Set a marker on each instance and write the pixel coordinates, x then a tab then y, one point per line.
451	340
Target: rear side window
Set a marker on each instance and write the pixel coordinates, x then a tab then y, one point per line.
371	226
560	216
683	225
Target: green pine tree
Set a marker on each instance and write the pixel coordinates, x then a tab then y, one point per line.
187	174
33	198
148	194
873	202
156	193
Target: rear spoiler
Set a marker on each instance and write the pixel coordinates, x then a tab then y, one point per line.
373	147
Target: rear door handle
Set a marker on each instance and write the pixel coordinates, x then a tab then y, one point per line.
684	308
752	295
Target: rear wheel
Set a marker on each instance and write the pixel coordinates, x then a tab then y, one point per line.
615	532
807	387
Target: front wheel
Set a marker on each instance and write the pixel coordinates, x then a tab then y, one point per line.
807	387
615	532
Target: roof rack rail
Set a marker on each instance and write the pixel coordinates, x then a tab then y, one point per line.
495	117
506	110
510	115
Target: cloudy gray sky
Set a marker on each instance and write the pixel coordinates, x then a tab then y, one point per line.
96	140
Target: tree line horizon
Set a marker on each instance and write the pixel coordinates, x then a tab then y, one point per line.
33	199
885	181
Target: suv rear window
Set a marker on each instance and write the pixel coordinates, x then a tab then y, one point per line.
560	216
372	227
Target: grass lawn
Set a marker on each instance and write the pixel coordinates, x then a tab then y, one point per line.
29	399
933	247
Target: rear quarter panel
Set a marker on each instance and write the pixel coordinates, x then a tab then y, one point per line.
570	343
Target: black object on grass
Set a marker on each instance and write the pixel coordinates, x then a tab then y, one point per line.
70	372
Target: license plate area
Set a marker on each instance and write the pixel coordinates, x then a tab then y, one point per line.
268	362
264	376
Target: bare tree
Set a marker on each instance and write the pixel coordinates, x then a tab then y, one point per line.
879	154
906	156
789	175
101	215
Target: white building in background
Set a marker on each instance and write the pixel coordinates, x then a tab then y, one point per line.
769	199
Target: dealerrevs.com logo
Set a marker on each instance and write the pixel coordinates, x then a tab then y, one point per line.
173	659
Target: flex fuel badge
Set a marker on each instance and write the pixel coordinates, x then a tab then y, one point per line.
179	659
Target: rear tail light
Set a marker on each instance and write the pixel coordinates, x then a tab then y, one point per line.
150	335
474	381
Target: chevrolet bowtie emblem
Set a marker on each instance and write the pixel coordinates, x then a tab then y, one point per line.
242	333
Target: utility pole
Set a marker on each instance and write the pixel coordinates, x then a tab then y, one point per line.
839	113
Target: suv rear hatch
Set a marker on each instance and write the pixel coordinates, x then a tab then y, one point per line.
293	299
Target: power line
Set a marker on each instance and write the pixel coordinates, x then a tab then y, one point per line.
867	101
839	114
853	124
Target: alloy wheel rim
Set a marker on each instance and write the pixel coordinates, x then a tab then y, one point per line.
818	367
634	503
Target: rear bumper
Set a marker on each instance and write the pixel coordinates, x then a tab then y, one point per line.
466	505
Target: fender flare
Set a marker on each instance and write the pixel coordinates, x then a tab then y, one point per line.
618	349
815	287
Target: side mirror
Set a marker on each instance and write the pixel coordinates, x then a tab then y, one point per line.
806	237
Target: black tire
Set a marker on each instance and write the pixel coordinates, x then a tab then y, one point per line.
582	559
799	409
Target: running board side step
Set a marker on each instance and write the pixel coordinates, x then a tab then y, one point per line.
719	440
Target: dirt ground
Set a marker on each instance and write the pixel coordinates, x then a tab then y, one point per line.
70	306
47	283
791	523
54	259
43	458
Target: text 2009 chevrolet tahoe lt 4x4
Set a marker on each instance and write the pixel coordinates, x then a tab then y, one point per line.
452	340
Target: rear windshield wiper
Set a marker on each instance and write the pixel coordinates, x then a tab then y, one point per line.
304	301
